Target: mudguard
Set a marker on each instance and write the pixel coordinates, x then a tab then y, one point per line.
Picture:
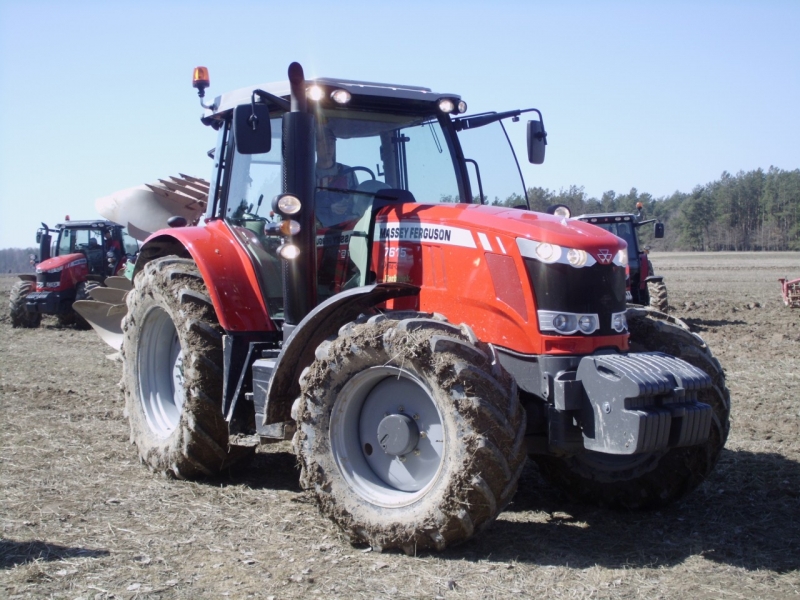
226	269
322	322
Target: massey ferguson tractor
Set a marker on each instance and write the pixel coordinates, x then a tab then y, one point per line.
82	256
645	288
415	352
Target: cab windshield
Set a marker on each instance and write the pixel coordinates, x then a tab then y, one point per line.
358	154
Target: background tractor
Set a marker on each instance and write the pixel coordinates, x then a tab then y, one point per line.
645	287
417	346
74	257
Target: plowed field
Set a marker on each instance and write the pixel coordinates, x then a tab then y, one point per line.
81	518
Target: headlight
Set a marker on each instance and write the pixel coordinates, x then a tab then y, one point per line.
548	253
577	258
567	323
315	93
553	253
587	324
341	96
289	251
286	204
618	322
446	105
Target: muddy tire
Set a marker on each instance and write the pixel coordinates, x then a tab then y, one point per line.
655	479
657	290
16	305
409	434
172	373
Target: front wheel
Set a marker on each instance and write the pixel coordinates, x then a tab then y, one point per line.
408	435
20	317
658	478
172	374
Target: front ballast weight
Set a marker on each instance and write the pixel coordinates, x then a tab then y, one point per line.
634	403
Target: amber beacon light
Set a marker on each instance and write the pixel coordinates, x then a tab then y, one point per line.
200	80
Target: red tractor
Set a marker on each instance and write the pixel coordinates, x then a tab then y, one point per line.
644	286
81	257
416	351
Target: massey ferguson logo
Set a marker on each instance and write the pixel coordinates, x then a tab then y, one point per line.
604	256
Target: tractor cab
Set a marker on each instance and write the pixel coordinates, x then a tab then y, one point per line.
103	244
364	147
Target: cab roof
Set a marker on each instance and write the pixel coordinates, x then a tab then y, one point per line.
608	217
87	224
229	100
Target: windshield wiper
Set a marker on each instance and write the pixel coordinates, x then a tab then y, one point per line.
482	119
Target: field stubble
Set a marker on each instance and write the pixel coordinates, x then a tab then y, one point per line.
81	518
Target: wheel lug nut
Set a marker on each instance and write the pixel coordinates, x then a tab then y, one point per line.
416	417
416	452
400	408
422	434
402	458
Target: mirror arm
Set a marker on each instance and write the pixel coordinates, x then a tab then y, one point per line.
276	100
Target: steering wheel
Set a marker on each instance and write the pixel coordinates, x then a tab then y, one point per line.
348	170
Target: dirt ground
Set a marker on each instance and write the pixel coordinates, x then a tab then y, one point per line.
81	518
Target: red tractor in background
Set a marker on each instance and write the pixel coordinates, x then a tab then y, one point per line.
415	350
81	257
644	286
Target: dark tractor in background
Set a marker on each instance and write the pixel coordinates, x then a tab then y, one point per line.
82	255
645	288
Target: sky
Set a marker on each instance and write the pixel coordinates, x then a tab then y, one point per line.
96	96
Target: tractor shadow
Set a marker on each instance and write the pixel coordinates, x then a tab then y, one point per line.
743	515
276	469
698	325
13	553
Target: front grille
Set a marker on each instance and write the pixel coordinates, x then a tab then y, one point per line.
599	289
48	279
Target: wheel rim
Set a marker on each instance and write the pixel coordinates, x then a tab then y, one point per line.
160	367
360	409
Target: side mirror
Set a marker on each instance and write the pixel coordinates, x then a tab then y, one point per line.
39	237
658	230
537	140
251	129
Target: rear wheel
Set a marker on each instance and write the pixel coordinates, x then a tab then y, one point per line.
20	317
657	290
172	357
408	434
658	478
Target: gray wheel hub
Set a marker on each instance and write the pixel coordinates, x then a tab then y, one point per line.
398	434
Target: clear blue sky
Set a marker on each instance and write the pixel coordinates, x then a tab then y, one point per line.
662	96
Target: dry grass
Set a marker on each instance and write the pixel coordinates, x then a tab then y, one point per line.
81	518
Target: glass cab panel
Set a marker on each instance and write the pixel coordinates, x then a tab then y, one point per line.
358	154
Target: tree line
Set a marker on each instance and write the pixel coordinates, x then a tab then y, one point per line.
749	211
17	260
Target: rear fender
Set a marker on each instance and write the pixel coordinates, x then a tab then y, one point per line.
321	323
27	277
226	269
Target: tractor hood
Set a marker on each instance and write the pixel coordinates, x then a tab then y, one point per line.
58	263
490	227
